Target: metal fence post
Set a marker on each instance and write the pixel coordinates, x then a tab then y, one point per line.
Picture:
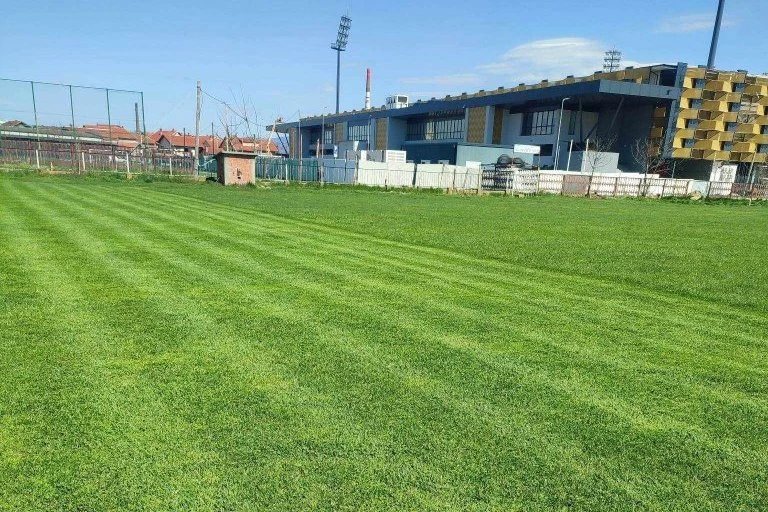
109	126
74	133
37	128
144	130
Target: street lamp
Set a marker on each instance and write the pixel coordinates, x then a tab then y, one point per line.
559	126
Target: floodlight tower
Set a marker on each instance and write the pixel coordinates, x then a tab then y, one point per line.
340	45
612	61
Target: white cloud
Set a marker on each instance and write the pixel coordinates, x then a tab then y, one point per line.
551	59
691	23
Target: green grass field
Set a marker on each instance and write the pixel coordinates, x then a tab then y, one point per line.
189	347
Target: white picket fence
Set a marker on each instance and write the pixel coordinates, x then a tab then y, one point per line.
510	181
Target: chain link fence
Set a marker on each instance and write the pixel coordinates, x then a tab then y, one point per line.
79	128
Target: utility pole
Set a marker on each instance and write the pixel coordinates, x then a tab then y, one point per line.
197	127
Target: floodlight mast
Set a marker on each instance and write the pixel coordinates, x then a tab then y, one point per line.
341	45
716	34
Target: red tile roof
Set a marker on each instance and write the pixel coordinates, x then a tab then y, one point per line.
155	136
123	137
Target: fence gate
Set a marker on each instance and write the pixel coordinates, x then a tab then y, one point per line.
575	185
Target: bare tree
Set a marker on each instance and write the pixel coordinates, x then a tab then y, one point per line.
649	155
595	156
596	152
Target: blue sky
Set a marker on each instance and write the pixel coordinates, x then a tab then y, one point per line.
275	56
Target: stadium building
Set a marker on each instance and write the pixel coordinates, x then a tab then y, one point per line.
697	117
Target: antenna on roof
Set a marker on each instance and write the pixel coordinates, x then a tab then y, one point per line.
612	61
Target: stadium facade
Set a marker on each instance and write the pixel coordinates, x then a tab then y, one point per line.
694	116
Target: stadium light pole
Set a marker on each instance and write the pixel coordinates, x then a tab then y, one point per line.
559	126
716	35
339	46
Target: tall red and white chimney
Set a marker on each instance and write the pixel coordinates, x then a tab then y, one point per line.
368	89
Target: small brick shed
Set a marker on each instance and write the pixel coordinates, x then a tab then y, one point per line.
235	168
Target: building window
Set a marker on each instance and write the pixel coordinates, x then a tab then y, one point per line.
539	123
546	149
764	130
437	126
688	143
762	148
734	107
357	132
739	87
730	127
727	146
698	83
696	103
572	123
692	124
328	136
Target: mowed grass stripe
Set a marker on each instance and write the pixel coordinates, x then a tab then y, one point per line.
352	369
663	298
69	230
700	314
592	311
715	389
105	434
97	250
630	360
597	473
654	245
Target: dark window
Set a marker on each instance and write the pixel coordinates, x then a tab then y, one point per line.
764	130
546	149
688	143
695	103
692	124
539	123
727	146
734	107
437	126
731	127
739	87
698	83
357	132
762	148
572	123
